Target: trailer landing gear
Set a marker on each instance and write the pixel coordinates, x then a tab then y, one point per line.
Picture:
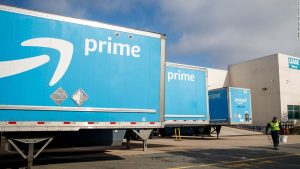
216	129
141	134
177	134
30	141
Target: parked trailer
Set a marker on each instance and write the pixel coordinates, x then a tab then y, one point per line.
65	75
186	97
230	106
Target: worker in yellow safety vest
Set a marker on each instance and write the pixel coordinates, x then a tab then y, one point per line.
275	131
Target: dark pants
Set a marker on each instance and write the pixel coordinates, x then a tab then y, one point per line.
275	137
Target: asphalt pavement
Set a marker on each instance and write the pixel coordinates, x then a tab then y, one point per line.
232	150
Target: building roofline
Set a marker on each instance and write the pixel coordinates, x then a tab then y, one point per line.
259	58
255	59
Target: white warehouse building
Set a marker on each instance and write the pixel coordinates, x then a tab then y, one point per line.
274	82
217	78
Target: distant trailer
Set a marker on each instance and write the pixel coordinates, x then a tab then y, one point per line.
230	106
78	80
186	96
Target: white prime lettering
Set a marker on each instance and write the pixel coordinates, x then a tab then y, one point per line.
110	47
180	76
215	96
90	46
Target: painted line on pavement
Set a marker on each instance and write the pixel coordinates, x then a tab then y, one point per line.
232	162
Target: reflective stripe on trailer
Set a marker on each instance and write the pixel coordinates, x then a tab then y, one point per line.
219	123
186	122
6	126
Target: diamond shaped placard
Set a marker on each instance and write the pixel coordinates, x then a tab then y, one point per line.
79	97
59	96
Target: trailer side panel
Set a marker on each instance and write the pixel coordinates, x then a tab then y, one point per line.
240	99
186	99
61	71
218	106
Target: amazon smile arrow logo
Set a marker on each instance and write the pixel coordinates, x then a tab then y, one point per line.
65	48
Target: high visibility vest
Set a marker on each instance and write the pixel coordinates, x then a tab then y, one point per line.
274	126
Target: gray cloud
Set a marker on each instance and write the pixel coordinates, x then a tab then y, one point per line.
230	31
110	6
202	32
81	8
60	7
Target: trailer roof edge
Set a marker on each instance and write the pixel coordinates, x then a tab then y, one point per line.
186	66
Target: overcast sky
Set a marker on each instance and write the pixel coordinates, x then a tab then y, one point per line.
208	33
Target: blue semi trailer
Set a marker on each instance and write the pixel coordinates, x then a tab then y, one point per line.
62	75
230	106
186	97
